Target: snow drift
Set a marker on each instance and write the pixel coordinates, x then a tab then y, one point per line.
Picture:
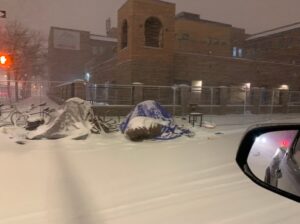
149	120
73	121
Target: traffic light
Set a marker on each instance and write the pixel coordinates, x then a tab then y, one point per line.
5	61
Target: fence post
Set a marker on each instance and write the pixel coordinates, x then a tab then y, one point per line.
174	99
245	101
211	99
289	101
272	102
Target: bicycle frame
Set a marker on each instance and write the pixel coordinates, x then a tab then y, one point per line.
6	113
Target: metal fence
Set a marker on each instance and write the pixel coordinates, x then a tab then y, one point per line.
126	94
180	98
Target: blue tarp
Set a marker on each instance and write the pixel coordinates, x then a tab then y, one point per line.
154	110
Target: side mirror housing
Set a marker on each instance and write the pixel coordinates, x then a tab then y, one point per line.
270	156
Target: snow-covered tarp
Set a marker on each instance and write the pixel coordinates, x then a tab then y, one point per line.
72	121
150	114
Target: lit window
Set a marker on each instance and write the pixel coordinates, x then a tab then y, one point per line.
197	86
247	85
234	52
87	76
284	87
240	52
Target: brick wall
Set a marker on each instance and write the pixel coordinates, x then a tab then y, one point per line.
64	64
218	71
203	37
138	62
283	47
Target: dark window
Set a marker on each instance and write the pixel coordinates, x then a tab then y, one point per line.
185	36
124	37
153	32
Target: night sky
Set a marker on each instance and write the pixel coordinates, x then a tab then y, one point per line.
253	15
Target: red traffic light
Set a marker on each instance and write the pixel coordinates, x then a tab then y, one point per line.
5	61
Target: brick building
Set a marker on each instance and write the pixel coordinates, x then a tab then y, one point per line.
70	51
281	44
158	47
154	46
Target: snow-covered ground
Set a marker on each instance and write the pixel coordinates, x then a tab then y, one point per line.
108	179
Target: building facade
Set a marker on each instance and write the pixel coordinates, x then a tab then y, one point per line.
281	44
155	46
69	51
158	47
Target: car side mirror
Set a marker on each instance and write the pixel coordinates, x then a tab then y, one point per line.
270	157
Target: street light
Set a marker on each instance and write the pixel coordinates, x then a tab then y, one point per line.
87	77
5	61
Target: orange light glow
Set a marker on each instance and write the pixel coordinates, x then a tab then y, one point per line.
5	61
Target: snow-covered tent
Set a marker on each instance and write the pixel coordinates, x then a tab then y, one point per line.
72	121
153	121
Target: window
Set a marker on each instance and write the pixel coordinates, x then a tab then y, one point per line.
124	36
237	52
185	36
197	86
240	52
216	42
234	52
95	50
153	32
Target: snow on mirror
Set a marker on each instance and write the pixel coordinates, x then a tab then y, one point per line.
275	159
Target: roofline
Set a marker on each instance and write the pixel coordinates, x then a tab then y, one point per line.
215	22
202	20
61	28
159	1
90	34
252	36
277	28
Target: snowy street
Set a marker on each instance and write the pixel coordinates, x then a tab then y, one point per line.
108	179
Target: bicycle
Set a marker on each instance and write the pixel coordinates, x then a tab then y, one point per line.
102	123
6	112
22	119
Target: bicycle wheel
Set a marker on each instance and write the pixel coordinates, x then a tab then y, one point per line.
18	119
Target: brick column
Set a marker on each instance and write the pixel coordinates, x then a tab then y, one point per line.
255	99
223	99
285	100
138	93
184	98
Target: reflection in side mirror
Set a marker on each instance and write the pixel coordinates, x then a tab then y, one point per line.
270	156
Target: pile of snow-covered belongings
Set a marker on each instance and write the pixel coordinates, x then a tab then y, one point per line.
76	120
149	120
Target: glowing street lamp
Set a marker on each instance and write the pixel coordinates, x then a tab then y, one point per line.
87	76
5	61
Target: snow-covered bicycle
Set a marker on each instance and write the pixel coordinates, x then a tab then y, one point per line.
33	116
6	113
